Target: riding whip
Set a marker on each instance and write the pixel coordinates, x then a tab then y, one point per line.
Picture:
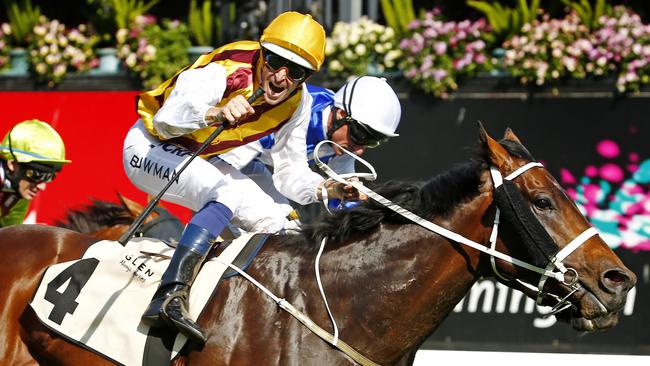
150	206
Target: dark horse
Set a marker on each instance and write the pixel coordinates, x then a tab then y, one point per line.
389	282
107	220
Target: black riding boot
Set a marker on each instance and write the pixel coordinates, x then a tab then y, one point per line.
169	305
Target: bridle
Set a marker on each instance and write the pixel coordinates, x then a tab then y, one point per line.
553	267
509	200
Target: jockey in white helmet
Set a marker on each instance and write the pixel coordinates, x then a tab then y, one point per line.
362	114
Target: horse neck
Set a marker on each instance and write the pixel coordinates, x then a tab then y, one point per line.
406	281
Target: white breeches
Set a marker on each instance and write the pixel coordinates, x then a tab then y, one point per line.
150	164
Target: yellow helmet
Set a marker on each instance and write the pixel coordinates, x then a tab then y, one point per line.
296	37
33	141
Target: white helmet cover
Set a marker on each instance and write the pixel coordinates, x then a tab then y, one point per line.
289	55
371	101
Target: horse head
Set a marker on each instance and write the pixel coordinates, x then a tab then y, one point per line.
538	222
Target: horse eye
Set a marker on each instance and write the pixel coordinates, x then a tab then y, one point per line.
543	203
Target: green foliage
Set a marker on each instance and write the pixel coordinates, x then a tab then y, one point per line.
126	10
398	14
205	27
589	15
22	19
506	21
154	52
111	15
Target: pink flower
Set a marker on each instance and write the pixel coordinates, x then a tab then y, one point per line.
440	48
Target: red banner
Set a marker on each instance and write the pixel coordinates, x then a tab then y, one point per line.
93	126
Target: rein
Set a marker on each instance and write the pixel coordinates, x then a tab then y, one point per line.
548	272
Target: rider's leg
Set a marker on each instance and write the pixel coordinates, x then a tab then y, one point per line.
170	302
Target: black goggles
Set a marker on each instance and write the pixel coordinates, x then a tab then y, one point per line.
295	72
363	135
36	175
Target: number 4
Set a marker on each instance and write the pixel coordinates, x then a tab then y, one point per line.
65	303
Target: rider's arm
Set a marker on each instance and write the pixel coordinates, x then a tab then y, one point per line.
292	175
196	91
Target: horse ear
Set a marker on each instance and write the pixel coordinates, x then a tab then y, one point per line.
509	135
133	207
496	154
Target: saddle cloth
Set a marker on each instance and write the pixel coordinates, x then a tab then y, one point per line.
97	301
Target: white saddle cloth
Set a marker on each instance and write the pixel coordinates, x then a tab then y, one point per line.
97	301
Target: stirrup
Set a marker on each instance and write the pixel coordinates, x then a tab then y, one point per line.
182	321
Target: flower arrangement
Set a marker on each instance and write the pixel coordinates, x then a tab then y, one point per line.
55	50
624	41
356	48
559	48
5	28
438	52
547	49
154	52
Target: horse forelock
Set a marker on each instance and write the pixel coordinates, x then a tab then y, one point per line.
436	197
95	217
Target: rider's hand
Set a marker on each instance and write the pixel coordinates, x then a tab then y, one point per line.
233	112
341	191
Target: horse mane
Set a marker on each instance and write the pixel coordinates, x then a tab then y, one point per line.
438	196
435	197
96	216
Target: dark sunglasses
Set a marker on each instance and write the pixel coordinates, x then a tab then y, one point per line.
363	135
37	176
295	72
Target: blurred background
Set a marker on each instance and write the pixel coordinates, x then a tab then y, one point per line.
569	77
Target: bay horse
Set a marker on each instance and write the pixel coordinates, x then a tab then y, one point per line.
108	220
389	282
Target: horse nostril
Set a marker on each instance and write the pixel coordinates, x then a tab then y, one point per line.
616	280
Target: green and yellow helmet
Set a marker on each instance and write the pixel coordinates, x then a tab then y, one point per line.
33	141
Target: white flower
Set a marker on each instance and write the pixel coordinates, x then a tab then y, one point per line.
149	53
329	47
131	60
41	68
335	65
354	38
360	49
379	48
59	70
6	28
121	34
40	30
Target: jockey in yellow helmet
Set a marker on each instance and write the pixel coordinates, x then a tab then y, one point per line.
31	155
182	112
